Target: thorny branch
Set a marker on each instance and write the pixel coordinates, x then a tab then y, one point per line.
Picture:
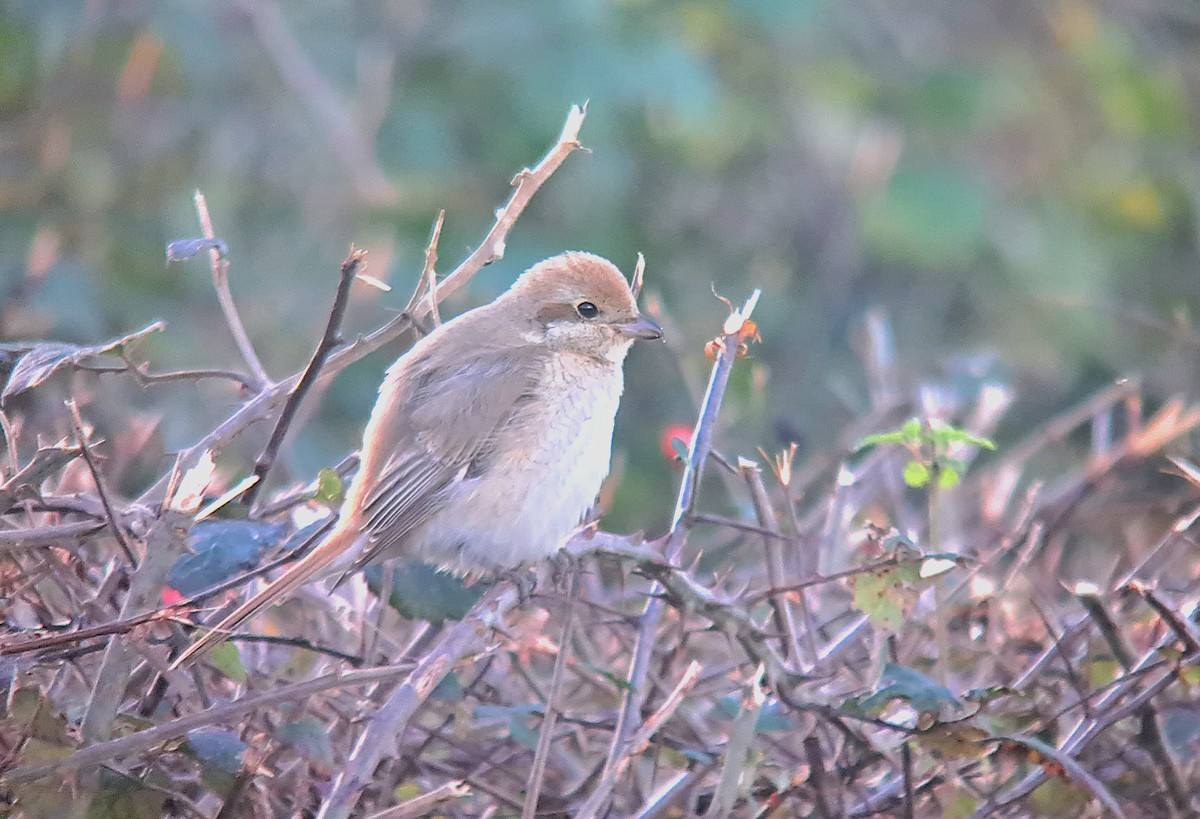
634	696
661	735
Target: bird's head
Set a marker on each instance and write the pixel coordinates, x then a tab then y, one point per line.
581	303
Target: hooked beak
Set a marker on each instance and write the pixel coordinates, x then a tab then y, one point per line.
641	326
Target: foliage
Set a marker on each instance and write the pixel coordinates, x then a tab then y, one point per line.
813	638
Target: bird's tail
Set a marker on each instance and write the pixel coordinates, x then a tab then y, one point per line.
326	553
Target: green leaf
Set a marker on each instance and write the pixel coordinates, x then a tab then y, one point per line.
953	435
226	659
894	437
309	738
219	752
883	597
123	797
916	474
911	430
423	592
921	692
329	487
221	549
947	477
448	690
35	716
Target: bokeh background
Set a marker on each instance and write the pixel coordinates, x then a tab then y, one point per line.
1014	183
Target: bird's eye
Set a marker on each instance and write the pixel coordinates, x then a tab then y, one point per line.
587	310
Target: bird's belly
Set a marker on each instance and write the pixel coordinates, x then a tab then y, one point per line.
544	477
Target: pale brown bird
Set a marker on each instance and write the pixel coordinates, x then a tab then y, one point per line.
490	437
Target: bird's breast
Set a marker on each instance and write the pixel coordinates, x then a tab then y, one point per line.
544	472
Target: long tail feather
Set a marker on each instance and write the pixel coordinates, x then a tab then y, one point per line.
326	553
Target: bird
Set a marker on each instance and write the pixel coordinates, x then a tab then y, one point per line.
490	437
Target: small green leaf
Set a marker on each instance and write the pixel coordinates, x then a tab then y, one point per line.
329	486
916	474
894	437
947	477
406	791
226	659
911	430
883	597
953	435
309	738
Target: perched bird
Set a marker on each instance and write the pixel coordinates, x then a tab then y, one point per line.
491	435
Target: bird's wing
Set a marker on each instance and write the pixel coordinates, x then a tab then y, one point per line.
449	415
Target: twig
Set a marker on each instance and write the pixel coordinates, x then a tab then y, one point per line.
299	642
387	725
689	595
739	525
424	804
906	765
1081	736
262	405
737	750
427	286
141	373
220	271
1078	772
670	792
329	340
94	755
785	619
79	635
1183	630
639	276
637	743
14	539
533	785
165	543
633	696
82	437
13	466
1151	734
818	778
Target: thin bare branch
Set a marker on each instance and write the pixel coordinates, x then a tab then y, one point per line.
82	437
533	785
220	271
387	725
599	797
329	339
263	405
634	695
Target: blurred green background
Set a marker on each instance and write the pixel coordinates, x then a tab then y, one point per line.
1012	181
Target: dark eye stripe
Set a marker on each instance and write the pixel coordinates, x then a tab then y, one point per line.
587	310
